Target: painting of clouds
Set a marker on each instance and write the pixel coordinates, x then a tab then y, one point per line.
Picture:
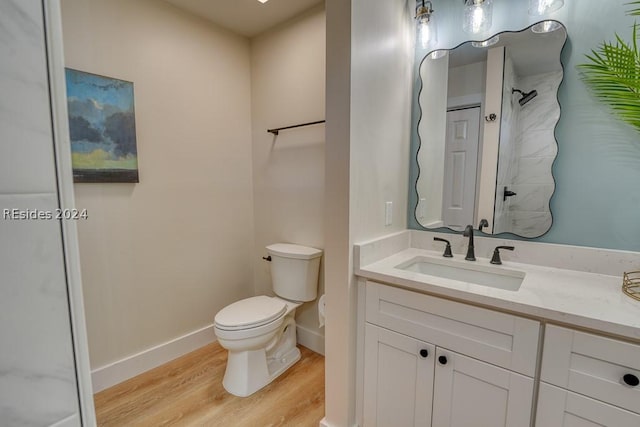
102	128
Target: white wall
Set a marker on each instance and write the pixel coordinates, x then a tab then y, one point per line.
432	132
340	300
37	371
383	34
380	66
467	80
161	257
287	88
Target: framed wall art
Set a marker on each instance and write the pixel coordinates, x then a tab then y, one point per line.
102	128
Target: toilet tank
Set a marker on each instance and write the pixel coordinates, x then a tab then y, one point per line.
294	271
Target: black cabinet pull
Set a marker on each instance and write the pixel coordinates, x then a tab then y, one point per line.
631	380
442	360
424	353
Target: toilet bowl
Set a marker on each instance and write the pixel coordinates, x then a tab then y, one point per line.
260	332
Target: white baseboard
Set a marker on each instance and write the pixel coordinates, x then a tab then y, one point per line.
70	421
324	423
114	373
313	340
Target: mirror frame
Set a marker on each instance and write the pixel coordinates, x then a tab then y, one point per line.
418	144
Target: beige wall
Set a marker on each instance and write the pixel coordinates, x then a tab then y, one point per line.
161	257
288	87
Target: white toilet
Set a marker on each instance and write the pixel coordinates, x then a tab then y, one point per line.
260	332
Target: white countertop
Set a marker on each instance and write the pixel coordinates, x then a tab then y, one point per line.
587	300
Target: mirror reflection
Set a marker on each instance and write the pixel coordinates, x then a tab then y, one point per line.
486	131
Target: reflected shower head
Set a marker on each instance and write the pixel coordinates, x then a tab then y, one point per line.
526	97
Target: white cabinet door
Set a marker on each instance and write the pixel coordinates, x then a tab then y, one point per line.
471	393
398	379
561	408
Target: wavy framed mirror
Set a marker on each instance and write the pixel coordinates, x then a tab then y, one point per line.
486	142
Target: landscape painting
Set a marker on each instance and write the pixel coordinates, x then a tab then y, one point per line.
102	128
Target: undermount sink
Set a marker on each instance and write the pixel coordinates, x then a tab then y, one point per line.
465	271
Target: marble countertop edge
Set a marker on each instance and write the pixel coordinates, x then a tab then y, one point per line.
584	300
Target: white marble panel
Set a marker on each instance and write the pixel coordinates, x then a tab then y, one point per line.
531	197
25	121
543	111
37	371
538	143
528	223
535	170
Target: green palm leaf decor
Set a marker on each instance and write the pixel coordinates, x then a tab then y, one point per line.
613	74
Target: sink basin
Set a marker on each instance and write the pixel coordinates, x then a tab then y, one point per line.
493	277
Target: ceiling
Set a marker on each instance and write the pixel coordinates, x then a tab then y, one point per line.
246	17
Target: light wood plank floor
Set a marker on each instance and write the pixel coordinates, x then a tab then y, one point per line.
188	392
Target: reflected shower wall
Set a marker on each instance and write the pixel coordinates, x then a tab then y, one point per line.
531	152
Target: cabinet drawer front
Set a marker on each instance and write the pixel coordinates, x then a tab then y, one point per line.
591	365
561	408
498	338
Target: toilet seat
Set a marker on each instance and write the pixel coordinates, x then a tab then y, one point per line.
250	313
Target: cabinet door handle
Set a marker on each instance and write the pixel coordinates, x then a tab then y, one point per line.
424	353
442	360
630	380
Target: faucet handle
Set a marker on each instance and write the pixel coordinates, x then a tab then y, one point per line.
496	254
447	250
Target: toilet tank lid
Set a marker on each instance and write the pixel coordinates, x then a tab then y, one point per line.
288	250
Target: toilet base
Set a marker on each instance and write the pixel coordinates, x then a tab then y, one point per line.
281	364
249	371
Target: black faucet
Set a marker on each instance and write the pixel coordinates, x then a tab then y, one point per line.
468	232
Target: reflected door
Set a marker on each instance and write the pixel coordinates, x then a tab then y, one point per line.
461	162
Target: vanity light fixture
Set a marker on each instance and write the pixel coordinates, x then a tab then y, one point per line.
545	27
486	43
477	16
263	1
542	7
427	32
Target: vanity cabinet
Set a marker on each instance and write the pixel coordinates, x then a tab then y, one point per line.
587	378
430	361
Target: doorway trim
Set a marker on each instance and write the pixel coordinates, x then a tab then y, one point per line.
66	200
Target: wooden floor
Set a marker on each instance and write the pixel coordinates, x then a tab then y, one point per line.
188	392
